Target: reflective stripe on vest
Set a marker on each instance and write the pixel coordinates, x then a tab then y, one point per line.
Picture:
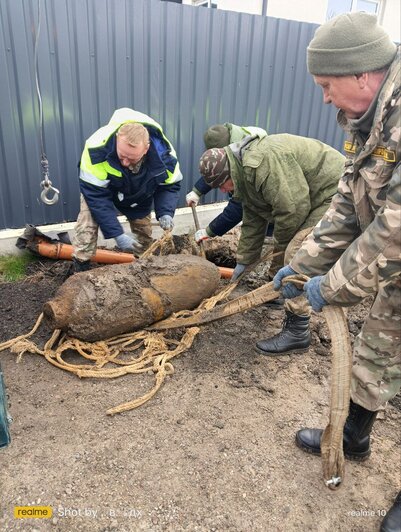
93	180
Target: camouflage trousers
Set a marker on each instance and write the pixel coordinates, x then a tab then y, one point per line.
86	232
298	305
376	371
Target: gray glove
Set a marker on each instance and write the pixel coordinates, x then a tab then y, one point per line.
128	243
166	222
237	271
288	290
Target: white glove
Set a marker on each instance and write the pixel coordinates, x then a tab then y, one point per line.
192	198
201	235
128	243
166	222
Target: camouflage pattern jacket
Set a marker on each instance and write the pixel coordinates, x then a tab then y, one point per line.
284	179
357	244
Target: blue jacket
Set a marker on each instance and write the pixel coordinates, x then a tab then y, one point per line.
114	188
229	218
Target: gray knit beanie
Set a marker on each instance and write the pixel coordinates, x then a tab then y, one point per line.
351	43
217	136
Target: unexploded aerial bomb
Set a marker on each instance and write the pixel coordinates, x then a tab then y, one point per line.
117	299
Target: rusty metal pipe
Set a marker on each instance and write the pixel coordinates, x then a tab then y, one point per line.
57	251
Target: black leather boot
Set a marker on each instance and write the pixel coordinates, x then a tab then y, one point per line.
392	521
356	439
80	265
294	336
275	304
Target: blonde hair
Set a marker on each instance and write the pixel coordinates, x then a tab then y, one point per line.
134	133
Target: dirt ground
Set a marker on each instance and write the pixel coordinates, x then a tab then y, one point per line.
212	451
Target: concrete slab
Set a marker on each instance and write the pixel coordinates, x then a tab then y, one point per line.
183	220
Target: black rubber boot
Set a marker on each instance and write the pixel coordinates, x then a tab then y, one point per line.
294	336
356	440
392	521
80	265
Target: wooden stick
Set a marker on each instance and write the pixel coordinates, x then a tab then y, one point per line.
197	227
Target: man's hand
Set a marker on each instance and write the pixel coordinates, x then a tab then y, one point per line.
201	235
166	222
237	271
128	243
289	290
192	198
313	293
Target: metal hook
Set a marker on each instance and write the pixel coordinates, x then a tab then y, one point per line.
47	187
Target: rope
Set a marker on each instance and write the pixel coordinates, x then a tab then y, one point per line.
21	340
165	244
42	144
157	352
46	184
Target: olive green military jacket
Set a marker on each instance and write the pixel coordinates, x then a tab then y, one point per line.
285	179
358	241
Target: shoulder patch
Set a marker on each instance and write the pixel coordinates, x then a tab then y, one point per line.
380	151
384	153
349	147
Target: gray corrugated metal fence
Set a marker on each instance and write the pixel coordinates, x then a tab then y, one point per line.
186	67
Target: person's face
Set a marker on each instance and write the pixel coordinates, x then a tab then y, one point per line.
227	186
130	155
348	93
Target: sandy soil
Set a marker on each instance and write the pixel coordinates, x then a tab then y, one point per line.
213	450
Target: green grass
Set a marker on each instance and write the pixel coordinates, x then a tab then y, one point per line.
13	267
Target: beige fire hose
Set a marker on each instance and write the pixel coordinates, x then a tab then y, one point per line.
341	366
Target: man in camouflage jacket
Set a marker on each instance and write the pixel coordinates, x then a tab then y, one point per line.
282	179
219	136
355	250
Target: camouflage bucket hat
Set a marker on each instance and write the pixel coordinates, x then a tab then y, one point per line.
214	167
